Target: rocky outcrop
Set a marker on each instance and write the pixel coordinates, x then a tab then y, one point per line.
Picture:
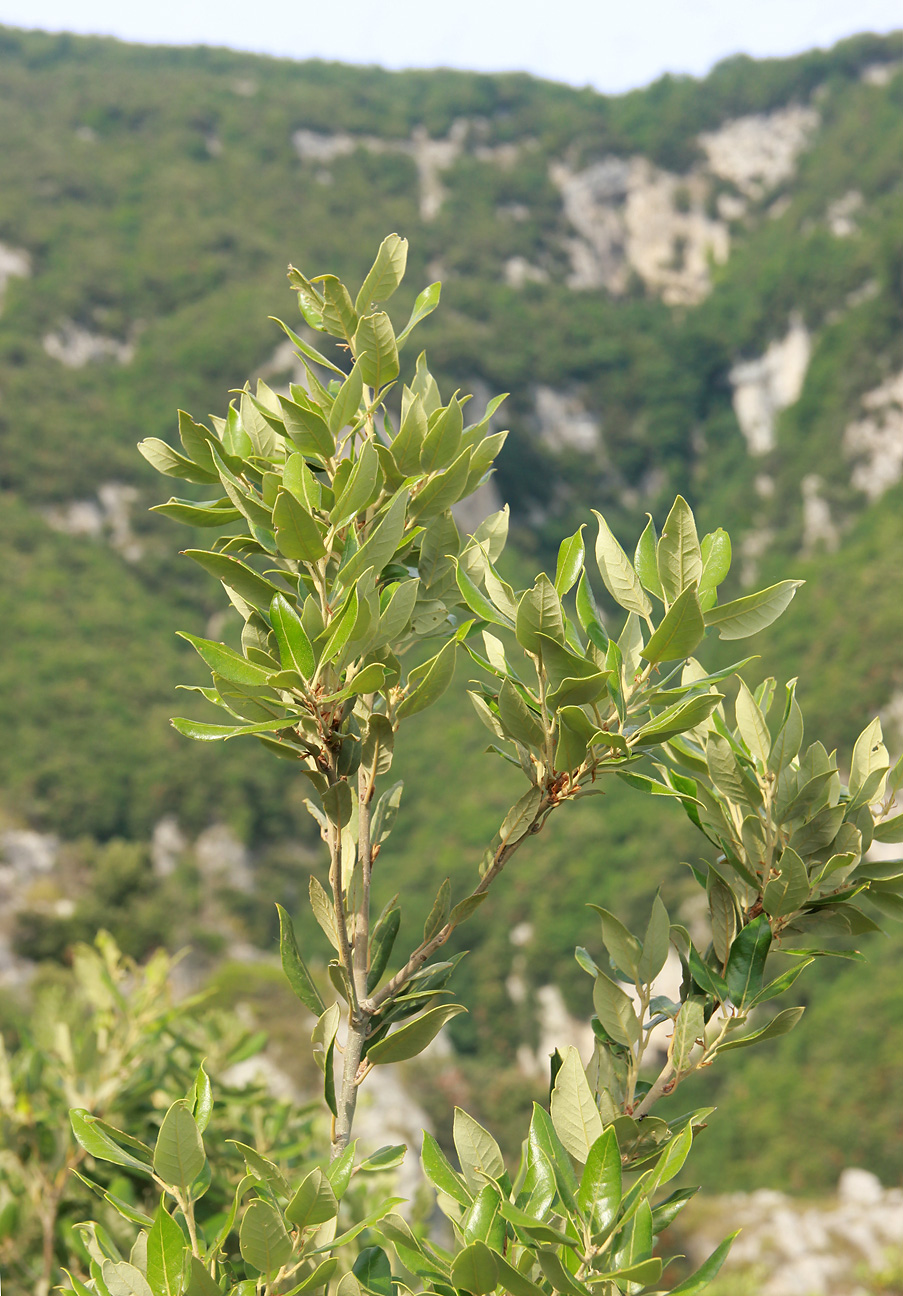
633	217
841	213
564	421
109	517
769	384
875	441
430	156
75	346
14	263
757	153
797	1247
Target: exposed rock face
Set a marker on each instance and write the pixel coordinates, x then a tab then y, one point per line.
557	1029
519	271
876	441
223	860
14	262
75	346
798	1247
109	516
881	74
564	421
764	387
757	153
167	845
26	858
819	529
430	156
631	216
840	214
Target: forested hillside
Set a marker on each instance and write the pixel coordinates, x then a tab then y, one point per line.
697	287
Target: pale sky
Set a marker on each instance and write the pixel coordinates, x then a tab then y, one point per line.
609	44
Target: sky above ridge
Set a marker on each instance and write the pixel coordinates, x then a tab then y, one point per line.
611	46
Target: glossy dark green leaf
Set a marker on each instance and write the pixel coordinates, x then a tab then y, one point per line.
294	967
571	553
746	964
438	915
97	1138
782	1024
374	1273
295	649
238	576
438	1170
412	1038
599	1194
225	661
297	534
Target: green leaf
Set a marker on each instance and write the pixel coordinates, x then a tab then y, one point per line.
425	304
225	661
179	1152
347	403
655	943
438	1170
373	1271
442	443
385	274
746	963
212	513
295	649
624	949
520	817
571	553
360	488
307	428
314	1202
680	632
376	350
438	915
294	967
746	616
427	682
166	1247
539	613
464	908
869	759
615	1011
385	813
751	723
96	1137
339	316
482	1222
263	1240
644	560
616	571
543	1141
380	546
203	732
676	719
477	601
599	1194
337	804
122	1279
588	615
723	913
559	1276
384	1158
246	582
889	830
716	560
477	1151
474	1270
698	1281
297	534
575	1115
519	720
679	557
780	1025
172	464
412	1038
689	1026
789	891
